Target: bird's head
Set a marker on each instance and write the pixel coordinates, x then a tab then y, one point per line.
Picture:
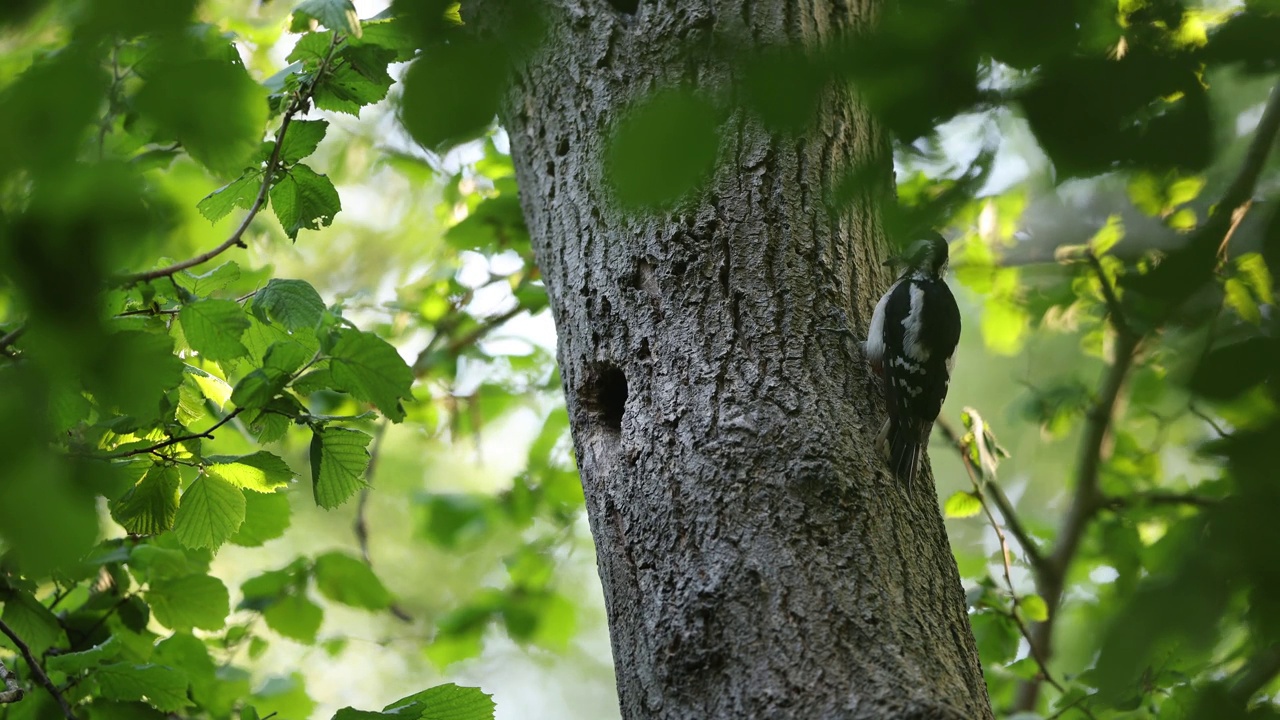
927	255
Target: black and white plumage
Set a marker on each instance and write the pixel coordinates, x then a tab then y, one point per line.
911	345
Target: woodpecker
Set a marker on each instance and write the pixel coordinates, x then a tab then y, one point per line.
911	345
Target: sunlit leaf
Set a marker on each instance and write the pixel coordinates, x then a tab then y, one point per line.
339	457
962	504
210	513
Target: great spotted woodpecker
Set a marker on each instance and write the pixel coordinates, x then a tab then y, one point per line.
911	345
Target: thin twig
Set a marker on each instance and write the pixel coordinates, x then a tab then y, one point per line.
1011	520
361	525
300	103
1119	502
1008	570
37	670
208	434
423	362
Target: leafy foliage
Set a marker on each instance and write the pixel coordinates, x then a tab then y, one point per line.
179	393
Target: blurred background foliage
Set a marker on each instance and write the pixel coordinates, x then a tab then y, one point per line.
279	416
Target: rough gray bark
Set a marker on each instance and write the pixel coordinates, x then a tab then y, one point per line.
757	559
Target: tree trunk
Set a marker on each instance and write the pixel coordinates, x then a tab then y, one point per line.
758	560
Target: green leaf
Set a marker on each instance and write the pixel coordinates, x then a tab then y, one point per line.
239	193
266	517
962	504
258	388
212	107
304	200
663	149
301	139
207	283
149	507
211	386
193	601
136	371
77	662
446	702
295	617
350	713
32	621
211	512
346	580
452	92
292	303
1034	608
1107	237
339	15
1004	325
163	687
261	471
214	328
369	368
338	460
1239	299
358	78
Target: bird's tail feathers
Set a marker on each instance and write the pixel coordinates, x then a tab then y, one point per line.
904	452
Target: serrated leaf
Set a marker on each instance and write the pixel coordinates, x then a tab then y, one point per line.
192	601
962	504
350	713
266	518
338	460
337	15
369	368
163	687
239	193
261	471
311	49
148	508
292	303
213	328
295	616
1034	608
301	139
302	199
357	78
446	702
211	511
346	580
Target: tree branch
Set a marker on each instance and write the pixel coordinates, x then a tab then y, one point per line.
1154	497
37	670
300	103
181	438
11	337
13	692
1240	191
